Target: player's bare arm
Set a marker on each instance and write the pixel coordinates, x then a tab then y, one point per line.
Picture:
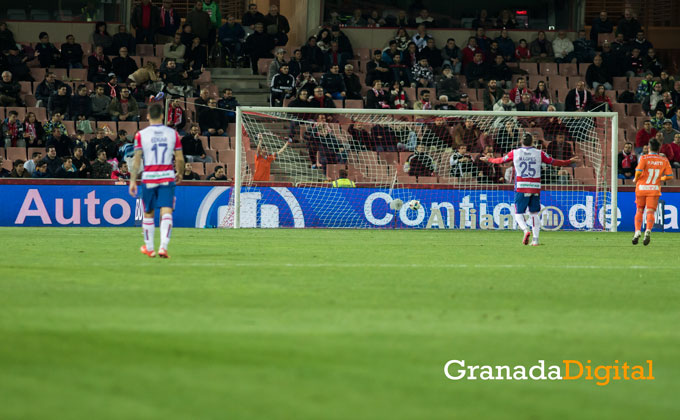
136	164
179	165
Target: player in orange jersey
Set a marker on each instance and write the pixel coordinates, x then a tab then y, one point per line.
652	169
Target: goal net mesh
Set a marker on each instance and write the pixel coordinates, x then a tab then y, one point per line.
431	157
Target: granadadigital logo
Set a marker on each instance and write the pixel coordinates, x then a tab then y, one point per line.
259	208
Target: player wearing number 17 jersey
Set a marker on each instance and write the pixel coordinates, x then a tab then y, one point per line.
652	169
157	145
527	162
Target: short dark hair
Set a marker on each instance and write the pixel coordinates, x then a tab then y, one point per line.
18	162
155	111
217	168
35	154
424	92
80	132
342	173
42	35
100	150
122	133
654	145
77	147
527	140
10	113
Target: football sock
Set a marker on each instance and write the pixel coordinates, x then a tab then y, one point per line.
536	221
638	219
650	219
148	227
519	218
166	230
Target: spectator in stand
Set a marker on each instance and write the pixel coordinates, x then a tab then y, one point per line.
213	10
584	49
229	103
9	91
506	20
489	173
402	38
352	83
563	48
597	74
633	64
100	104
101	169
343	181
251	17
644	135
376	97
16	64
541	96
500	72
600	98
559	148
433	55
67	170
375	20
492	94
263	160
124	108
176	117
464	103
32	164
169	21
34	134
18	170
48	55
448	84
192	146
174	49
59	103
601	25
102	142
101	38
541	49
283	86
258	45
176	79
72	53
55	121
483	42
657	121
645	88
357	19
666	105
189	174
467	134
195	58
425	19
672	151
483	21
611	61
504	104
60	141
424	102
522	52
476	72
321	99
398	98
231	35
323	40
650	102
579	98
112	88
469	51
675	93
13	131
619	45
376	69
422	74
335	57
461	163
676	119
526	103
641	43
390	51
124	39
212	120
420	163
452	56
519	89
399	72
123	65
41	170
421	37
6	37
200	22
277	25
122	173
506	46
146	19
344	46
666	81
187	35
312	56
275	65
218	175
628	26
98	66
410	56
48	87
668	132
81	162
651	64
627	162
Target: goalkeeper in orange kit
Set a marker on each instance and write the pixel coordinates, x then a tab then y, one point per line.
652	169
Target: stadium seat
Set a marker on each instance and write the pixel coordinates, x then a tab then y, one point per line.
557	82
390	157
227	156
159	51
635	110
231	130
7	164
61	73
620	83
427	180
145	50
14	153
19	109
31	150
338	103
219	143
138	60
620	108
129	126
531	68
263	65
204	140
548	69
333	170
210	167
30	101
78	74
37	73
26	88
112	126
143	124
212	154
70	127
364	54
472	93
2	116
568	69
354	103
151	59
605	37
198	167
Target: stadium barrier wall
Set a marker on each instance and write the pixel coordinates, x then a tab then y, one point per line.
205	204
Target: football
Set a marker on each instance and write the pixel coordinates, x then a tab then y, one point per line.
414	204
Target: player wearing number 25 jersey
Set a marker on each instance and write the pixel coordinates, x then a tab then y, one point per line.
527	162
652	169
157	145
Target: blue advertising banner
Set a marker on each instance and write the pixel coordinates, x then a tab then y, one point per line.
271	207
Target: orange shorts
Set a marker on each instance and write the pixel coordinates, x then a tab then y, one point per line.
651	202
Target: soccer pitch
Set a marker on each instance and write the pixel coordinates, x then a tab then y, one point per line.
331	324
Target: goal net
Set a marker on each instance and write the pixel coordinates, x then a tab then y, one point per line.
358	168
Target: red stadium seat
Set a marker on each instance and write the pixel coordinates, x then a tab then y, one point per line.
227	156
78	74
212	154
354	103
19	109
30	101
7	164
198	167
14	153
145	50
204	140
548	69
144	124
531	68
159	51
568	69
635	110
210	167
620	83
219	143
70	127
129	126
557	82
40	113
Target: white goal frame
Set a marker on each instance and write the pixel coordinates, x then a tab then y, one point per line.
238	181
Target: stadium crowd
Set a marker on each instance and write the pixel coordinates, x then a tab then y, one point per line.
107	82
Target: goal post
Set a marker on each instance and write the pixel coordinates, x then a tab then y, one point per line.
396	156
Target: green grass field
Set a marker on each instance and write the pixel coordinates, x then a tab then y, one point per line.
321	324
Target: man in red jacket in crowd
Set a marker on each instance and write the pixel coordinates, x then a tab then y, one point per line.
643	136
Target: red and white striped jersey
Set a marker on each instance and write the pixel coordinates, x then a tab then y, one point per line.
527	162
158	144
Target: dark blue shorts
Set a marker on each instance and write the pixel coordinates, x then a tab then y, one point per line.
523	200
160	196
